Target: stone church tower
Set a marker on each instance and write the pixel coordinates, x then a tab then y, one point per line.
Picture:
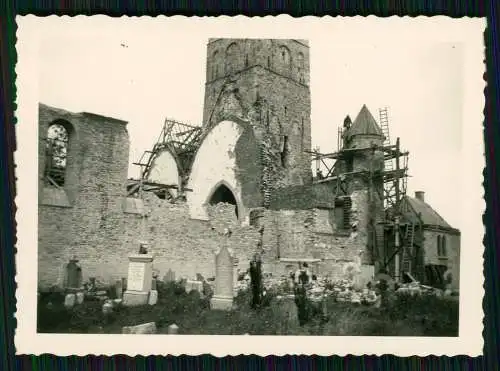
258	104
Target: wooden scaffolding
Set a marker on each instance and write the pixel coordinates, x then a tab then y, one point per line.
182	141
393	237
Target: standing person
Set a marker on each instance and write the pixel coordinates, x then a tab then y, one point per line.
256	280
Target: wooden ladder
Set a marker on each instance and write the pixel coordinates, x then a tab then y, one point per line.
408	248
384	125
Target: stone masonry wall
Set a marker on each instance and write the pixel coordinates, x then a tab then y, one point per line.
452	248
280	88
312	234
178	242
97	163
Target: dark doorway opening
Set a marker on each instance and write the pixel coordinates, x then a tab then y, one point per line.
224	194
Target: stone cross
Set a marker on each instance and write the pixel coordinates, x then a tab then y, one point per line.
224	280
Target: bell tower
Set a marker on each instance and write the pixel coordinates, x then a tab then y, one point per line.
264	81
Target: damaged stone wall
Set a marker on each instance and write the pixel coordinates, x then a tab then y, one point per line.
273	75
178	242
313	234
94	190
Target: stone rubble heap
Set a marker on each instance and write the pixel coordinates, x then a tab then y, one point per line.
317	290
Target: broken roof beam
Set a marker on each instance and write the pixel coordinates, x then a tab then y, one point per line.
189	131
133	182
341	176
391	175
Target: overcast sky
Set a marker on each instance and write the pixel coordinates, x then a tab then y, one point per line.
143	73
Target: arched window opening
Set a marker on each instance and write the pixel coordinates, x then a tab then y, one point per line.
215	65
284	152
232	57
302	134
268	62
441	241
286	60
56	150
300	67
224	194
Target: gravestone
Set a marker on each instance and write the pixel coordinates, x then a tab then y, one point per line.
169	276
173	329
366	274
69	300
79	297
119	288
153	297
73	275
224	280
235	273
107	308
138	280
194	285
145	328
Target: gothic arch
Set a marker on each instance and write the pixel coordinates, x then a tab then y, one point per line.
285	58
58	146
215	165
215	65
231	61
222	191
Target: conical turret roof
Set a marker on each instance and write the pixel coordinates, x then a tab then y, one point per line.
364	124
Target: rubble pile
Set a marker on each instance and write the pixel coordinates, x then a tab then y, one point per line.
317	290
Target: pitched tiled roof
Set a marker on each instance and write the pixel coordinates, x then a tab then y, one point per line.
428	215
364	124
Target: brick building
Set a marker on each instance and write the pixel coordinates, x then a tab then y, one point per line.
247	167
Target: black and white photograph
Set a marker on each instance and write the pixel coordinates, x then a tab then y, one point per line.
299	185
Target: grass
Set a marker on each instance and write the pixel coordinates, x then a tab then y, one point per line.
403	316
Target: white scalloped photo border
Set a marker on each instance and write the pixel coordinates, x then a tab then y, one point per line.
467	31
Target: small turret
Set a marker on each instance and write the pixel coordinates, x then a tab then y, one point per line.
364	131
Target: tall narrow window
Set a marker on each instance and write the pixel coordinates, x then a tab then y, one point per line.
232	58
215	65
285	60
442	247
246	60
300	67
302	134
342	213
284	152
56	155
268	62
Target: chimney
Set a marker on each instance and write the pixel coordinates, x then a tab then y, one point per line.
419	195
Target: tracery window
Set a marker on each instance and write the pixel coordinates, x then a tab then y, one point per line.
56	152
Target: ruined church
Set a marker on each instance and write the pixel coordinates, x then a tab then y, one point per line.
247	168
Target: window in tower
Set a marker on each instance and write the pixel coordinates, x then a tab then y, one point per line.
284	152
215	65
232	58
285	58
300	67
